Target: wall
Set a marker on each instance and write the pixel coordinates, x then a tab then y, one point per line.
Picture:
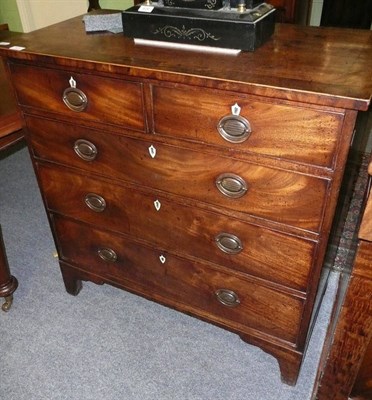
316	12
116	4
36	14
9	14
28	15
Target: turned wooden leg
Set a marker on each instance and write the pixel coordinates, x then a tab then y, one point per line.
72	283
8	283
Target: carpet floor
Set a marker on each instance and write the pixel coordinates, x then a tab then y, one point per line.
109	344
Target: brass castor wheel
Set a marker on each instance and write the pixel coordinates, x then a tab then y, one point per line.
8	303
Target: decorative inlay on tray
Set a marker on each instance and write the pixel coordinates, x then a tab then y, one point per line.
184	33
203	4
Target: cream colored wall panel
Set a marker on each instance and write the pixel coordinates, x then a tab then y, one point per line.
316	12
9	14
37	14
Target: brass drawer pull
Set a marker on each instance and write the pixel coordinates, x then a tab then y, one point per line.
231	185
75	99
229	243
107	254
227	297
95	202
234	128
86	150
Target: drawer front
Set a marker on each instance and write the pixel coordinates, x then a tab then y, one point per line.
282	196
112	101
277	130
189	286
251	249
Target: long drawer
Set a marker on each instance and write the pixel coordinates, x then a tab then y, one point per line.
80	96
214	237
233	301
291	132
282	196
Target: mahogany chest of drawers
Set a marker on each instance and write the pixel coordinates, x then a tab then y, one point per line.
205	182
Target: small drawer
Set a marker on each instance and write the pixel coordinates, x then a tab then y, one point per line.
80	96
182	229
244	123
286	197
195	288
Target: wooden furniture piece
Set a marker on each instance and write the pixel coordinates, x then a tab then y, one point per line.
8	283
94	5
345	370
205	182
10	120
347	14
10	133
291	11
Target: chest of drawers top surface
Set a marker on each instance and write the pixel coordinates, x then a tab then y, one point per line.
323	66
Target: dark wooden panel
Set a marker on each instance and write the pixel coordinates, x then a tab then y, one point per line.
365	231
10	133
346	369
352	335
279	130
270	255
362	388
10	118
285	10
347	14
110	101
300	198
191	286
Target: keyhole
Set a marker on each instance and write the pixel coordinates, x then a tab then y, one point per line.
152	151
157	205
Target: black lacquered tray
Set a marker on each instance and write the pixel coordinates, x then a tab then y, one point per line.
215	28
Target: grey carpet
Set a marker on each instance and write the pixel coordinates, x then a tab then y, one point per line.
108	344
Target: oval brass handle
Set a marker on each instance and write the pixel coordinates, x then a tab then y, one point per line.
75	99
227	297
95	202
107	254
234	128
231	185
229	243
86	150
